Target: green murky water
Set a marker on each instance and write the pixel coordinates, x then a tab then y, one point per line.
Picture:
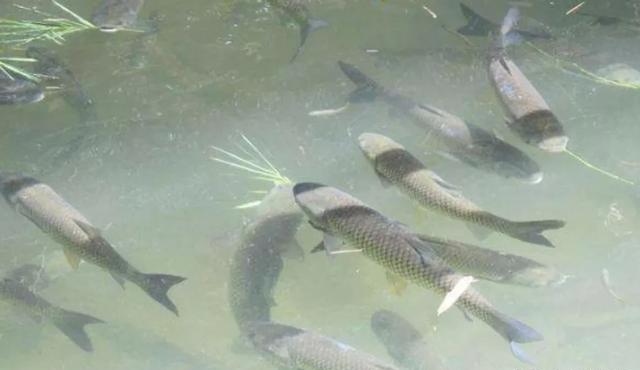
215	70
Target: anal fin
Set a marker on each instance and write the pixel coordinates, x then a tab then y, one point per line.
72	258
397	285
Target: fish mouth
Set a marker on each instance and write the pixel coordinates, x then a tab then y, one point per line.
556	144
303	187
536	178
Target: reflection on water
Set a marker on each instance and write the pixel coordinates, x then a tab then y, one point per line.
138	165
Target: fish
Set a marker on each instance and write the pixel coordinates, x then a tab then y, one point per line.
478	25
70	323
293	348
31	276
467	143
116	15
494	266
343	218
529	115
404	343
18	90
299	13
49	64
257	262
395	165
80	240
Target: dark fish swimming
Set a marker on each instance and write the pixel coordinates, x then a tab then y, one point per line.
116	15
49	65
256	264
80	240
478	25
464	141
68	322
529	115
403	342
395	165
495	266
299	13
294	348
343	218
18	90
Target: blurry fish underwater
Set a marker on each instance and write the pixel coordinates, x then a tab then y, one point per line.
478	25
343	218
467	143
18	90
395	165
116	15
80	240
293	348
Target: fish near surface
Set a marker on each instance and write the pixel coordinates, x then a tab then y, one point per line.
395	165
529	115
299	13
257	263
18	90
342	217
116	15
403	342
68	322
293	348
80	240
464	141
478	25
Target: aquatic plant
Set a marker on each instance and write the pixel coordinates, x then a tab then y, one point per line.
255	163
9	69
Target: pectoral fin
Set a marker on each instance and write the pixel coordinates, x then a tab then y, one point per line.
72	258
383	180
91	231
397	285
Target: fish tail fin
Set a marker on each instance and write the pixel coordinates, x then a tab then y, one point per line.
157	286
531	232
514	332
72	325
507	34
366	88
476	24
311	25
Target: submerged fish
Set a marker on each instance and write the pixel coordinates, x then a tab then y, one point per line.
468	143
495	266
478	25
18	90
299	13
403	342
294	348
80	240
529	114
395	165
256	264
48	64
116	15
342	217
69	322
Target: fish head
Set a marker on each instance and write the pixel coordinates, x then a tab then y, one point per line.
392	329
271	338
542	129
17	90
116	15
278	200
11	183
317	201
373	145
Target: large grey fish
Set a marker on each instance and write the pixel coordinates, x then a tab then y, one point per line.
49	65
68	322
529	115
299	13
343	218
80	240
116	15
478	25
395	165
466	142
18	90
495	266
403	342
256	264
294	348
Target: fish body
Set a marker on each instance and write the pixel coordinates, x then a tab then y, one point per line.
257	263
48	64
478	25
403	342
69	322
394	164
116	15
466	142
529	115
294	348
57	218
18	90
393	246
299	13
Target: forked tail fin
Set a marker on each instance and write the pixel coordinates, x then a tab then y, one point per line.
531	232
311	25
72	325
366	88
157	286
